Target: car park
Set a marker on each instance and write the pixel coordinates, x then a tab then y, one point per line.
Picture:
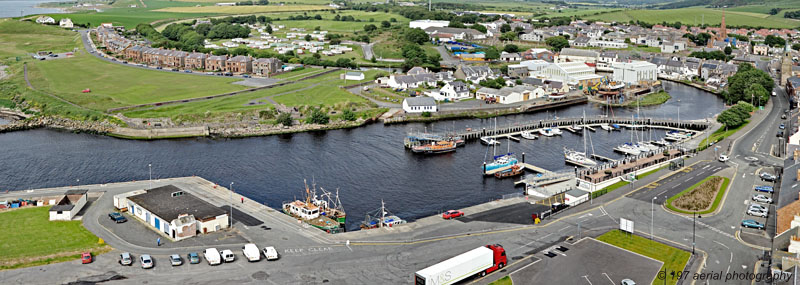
757	213
452	214
117	217
723	158
227	255
752	224
175	260
193	258
270	253
86	257
125	258
763	188
762	198
147	261
768	177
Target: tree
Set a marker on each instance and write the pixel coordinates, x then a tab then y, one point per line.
796	46
318	117
492	53
774	41
261	19
385	24
317	17
746	75
505	28
393	20
758	94
416	36
370	28
511	48
557	43
728	50
456	24
509	36
348	115
730	119
269	29
479	28
285	119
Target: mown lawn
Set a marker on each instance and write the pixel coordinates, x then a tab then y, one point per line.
29	238
674	259
113	85
20	38
503	281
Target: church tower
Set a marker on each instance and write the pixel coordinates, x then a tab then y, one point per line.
723	33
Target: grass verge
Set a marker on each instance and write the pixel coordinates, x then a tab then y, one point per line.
622	183
674	259
503	281
717	198
31	242
719	135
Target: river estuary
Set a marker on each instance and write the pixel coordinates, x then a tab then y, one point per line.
367	164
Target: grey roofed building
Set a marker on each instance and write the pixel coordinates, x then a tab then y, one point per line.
579	52
448	30
576	192
169	202
417	70
532	81
420	101
69	200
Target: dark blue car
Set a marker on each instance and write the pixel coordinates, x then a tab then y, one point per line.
767	189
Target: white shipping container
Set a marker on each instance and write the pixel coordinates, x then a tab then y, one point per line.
457	268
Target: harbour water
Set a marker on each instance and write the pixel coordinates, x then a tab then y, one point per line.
367	164
18	8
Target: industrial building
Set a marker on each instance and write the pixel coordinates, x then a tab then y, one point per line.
634	72
173	211
424	24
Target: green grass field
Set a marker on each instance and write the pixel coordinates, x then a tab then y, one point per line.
20	38
674	259
28	239
114	85
243	9
714	205
694	16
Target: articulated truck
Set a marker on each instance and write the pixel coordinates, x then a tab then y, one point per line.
479	261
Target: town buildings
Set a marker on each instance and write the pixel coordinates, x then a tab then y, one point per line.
634	72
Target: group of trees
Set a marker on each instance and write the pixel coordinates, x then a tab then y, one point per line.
251	3
749	84
415	56
736	115
774	41
557	43
775	11
497	83
792	14
700	39
187	38
715	55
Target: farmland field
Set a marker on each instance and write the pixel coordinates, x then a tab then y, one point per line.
113	85
244	9
692	16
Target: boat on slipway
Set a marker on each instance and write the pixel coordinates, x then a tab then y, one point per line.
322	211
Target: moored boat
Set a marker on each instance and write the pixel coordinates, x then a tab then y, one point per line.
606	127
628	148
381	218
578	158
323	212
435	147
516	169
529	135
489	141
501	161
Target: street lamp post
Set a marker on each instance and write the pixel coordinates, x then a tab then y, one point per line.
694	225
231	203
652	216
150	168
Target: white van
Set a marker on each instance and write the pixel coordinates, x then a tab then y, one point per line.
251	252
271	253
227	255
212	256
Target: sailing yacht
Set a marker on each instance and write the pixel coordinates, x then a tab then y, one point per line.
628	148
529	135
503	160
579	158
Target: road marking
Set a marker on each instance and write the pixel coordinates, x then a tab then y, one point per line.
731	258
609	278
743	174
723	245
532	263
728	270
564	228
603	210
587	279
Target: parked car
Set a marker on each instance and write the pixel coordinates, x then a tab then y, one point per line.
723	158
212	256
175	260
173	69
187	71
627	282
193	258
763	188
452	214
779	134
125	259
762	198
756	207
752	224
251	252
86	257
227	255
117	217
757	213
768	177
159	67
245	76
228	74
782	126
270	253
783	116
147	261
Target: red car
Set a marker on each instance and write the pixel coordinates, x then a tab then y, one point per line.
86	257
452	214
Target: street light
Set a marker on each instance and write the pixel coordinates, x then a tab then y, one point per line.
150	168
694	225
231	202
652	216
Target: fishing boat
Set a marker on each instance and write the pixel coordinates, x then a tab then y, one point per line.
529	135
381	218
503	160
615	127
577	127
557	131
322	211
489	141
516	169
606	127
435	147
628	148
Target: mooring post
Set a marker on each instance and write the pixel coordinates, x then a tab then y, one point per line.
523	157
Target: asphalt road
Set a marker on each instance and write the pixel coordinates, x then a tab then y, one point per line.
681	181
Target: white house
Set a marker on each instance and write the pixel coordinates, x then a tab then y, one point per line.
45	20
176	213
69	206
354	75
510	95
575	196
419	105
424	24
66	23
634	72
411	81
452	91
672	47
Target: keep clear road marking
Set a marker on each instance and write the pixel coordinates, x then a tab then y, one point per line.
609	278
587	279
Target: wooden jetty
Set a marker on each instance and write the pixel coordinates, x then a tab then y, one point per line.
571	130
589	128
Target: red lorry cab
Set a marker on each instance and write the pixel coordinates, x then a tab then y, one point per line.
500	259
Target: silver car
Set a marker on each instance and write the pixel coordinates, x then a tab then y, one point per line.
627	282
762	198
147	261
125	259
175	260
757	213
757	207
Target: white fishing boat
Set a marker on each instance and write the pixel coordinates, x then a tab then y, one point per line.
606	127
489	141
577	127
677	135
628	148
529	135
641	147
